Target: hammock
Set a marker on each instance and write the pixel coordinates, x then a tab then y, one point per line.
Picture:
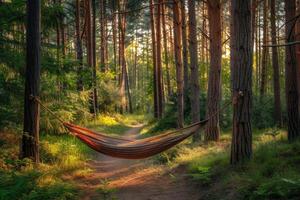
132	149
126	148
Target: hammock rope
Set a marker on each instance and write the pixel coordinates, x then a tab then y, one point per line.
132	149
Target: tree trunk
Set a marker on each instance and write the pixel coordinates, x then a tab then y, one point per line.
122	27
194	82
95	98
297	28
265	53
214	82
292	98
154	57
276	80
114	26
102	36
79	52
90	62
30	138
166	57
178	60
241	65
158	59
185	57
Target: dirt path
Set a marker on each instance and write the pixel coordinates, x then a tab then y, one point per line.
135	179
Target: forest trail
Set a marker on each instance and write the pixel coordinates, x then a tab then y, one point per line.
122	179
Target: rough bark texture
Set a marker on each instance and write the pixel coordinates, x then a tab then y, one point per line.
194	82
241	65
102	35
298	53
30	139
265	53
89	43
178	61
79	52
166	57
276	80
122	26
185	57
214	82
155	89
292	98
158	60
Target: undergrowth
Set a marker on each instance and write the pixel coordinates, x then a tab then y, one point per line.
272	173
63	158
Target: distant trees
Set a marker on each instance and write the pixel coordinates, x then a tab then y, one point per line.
241	66
30	138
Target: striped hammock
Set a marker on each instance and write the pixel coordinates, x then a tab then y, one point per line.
132	149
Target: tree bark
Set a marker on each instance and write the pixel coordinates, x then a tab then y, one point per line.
178	60
158	59
292	98
102	36
90	62
30	138
241	65
154	57
265	53
166	57
194	82
276	80
297	28
79	52
122	27
185	57
214	83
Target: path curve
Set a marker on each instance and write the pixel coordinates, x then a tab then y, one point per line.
122	179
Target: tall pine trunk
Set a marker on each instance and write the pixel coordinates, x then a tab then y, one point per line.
30	138
154	57
102	36
265	53
90	62
194	82
79	52
214	81
241	66
185	57
123	77
158	59
178	61
166	57
292	98
276	80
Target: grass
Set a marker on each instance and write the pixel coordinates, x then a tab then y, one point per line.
273	172
63	159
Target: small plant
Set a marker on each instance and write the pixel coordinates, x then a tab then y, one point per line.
202	174
106	191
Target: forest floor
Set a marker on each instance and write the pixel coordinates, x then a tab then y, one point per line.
114	178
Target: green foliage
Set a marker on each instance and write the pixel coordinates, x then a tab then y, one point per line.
278	188
263	109
27	186
272	173
202	174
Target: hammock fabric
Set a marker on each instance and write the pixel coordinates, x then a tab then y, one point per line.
132	149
